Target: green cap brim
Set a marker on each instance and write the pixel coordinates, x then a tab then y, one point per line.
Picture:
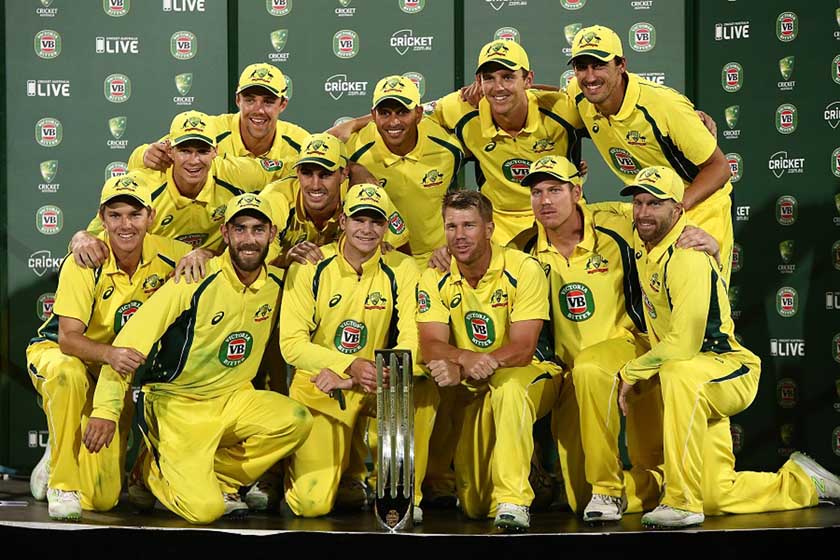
525	182
513	65
361	207
404	101
323	162
657	192
600	55
273	90
188	137
257	210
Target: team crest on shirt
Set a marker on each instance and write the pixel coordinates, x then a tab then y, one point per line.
597	263
235	348
432	179
218	213
499	299
576	302
655	284
648	305
350	337
480	329
635	138
396	223
124	313
263	313
195	240
423	301
375	300
151	284
543	145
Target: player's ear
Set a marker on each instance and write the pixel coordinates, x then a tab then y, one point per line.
152	213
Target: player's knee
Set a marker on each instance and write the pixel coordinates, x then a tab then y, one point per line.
303	423
104	501
68	374
674	374
585	371
203	510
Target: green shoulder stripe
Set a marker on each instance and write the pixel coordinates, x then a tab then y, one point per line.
361	151
684	167
291	143
316	280
459	126
632	291
222	136
233	189
458	156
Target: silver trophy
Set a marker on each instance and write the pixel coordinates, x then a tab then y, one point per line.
394	502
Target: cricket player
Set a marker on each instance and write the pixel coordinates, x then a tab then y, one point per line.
479	327
207	430
705	374
335	314
189	197
64	359
635	123
254	132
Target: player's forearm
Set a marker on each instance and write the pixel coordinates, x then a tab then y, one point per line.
514	354
80	346
343	130
135	161
299	351
109	396
711	178
438	350
648	364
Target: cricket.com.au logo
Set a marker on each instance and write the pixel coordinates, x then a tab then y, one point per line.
642	37
117	88
412	6
507	34
47	44
49	219
404	40
116	8
183	45
183	85
499	4
781	163
732	77
48	169
787	302
278	39
787	27
345	43
278	7
339	84
731	115
736	166
573	4
40	262
831	115
787	118
117	126
787	210
49	132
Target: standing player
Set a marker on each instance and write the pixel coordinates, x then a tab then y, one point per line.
635	123
479	324
254	132
207	429
63	360
705	374
334	315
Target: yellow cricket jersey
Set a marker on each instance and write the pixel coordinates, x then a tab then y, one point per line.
278	160
552	128
415	182
294	225
513	289
686	307
594	294
202	340
196	221
331	315
106	297
655	125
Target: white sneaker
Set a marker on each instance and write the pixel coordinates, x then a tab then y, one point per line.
63	505
234	506
827	484
417	514
668	517
352	494
39	480
512	517
262	495
605	508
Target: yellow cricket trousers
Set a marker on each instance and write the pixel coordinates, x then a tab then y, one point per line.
700	395
66	387
596	388
201	449
716	220
493	456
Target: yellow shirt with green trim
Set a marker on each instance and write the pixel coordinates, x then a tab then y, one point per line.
196	221
655	125
106	297
552	128
331	315
415	182
595	293
278	160
295	226
513	289
686	307
202	340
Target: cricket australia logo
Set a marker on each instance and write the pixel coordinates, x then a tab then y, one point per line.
432	178
350	337
635	138
375	300
124	313
499	299
576	302
263	313
597	263
480	329
235	348
151	284
543	145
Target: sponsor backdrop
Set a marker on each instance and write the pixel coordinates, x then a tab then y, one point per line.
771	80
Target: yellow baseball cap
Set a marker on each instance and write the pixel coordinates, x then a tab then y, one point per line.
192	125
248	201
265	76
323	149
597	41
134	184
507	53
366	196
399	89
661	182
556	166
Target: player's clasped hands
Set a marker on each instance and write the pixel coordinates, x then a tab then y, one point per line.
328	381
304	252
477	365
446	373
363	373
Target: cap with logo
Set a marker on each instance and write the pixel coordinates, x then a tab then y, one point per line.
265	76
596	41
556	166
192	125
248	202
323	149
661	182
366	196
134	184
399	89
509	54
